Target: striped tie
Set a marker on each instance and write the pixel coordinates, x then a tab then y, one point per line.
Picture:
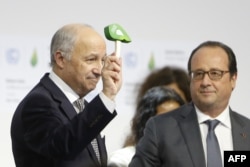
80	105
96	149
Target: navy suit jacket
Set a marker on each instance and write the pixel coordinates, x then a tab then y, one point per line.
46	131
174	140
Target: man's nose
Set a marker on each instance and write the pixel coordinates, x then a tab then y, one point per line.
98	67
206	79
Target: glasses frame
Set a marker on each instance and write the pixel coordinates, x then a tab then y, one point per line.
209	73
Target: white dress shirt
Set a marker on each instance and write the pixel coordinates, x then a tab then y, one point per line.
72	96
122	157
223	131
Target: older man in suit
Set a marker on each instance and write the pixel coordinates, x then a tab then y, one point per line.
182	138
49	127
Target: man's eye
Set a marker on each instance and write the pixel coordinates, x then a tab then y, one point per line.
199	73
214	73
92	59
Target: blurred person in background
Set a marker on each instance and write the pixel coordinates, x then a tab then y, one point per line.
157	100
170	76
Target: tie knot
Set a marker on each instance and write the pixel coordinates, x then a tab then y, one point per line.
212	124
79	104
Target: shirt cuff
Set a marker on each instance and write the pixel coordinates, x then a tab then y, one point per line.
109	104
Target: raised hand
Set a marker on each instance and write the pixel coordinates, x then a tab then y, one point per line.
112	76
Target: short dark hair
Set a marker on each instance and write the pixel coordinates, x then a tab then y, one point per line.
232	66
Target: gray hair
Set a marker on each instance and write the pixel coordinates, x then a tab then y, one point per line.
64	41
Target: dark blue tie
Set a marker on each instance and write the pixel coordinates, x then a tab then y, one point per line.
213	148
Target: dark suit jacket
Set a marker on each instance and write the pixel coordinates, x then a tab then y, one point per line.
46	131
174	140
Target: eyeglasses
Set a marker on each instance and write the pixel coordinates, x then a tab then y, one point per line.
213	74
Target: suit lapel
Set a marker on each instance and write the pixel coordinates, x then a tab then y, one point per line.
59	96
92	154
191	133
238	132
70	112
102	150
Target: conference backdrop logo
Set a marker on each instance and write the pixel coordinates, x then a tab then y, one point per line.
34	58
12	56
131	59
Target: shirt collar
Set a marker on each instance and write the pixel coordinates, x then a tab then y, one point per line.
224	117
69	93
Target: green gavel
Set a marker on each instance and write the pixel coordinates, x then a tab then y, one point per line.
114	32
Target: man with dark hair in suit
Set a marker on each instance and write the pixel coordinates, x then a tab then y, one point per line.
52	127
196	134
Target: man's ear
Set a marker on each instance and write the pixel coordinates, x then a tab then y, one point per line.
59	59
233	80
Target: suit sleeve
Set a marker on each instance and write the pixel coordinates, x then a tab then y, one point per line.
48	131
147	149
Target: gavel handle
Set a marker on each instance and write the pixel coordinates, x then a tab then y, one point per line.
117	48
